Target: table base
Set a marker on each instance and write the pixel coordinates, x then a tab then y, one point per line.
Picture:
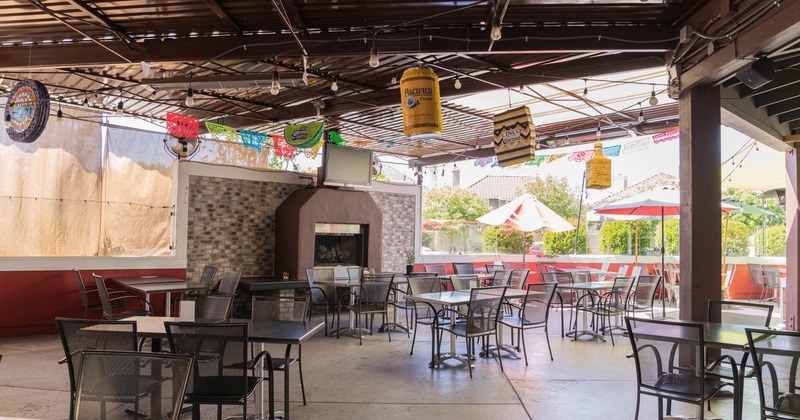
577	334
462	357
353	332
512	351
394	327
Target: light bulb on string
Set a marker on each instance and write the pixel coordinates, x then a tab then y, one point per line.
189	97
120	109
585	88
145	69
394	77
641	113
85	102
7	121
275	87
374	59
496	32
59	114
457	83
599	132
334	86
653	100
442	170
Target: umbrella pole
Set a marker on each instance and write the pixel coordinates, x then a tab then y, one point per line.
636	245
725	242
524	234
663	270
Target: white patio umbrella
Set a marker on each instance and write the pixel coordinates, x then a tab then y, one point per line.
526	214
664	201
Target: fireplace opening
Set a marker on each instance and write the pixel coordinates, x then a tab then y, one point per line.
340	244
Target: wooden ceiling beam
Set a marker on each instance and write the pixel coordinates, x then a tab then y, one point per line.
102	20
223	16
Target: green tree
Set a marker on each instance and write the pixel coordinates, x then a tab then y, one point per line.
672	243
617	237
502	239
738	237
457	205
564	242
556	194
776	241
753	220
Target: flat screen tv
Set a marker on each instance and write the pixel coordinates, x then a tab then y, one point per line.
346	166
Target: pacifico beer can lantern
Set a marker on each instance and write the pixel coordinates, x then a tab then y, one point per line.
422	104
598	169
514	137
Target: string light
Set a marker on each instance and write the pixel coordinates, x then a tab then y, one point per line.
374	59
145	69
189	97
585	88
641	113
120	109
496	32
599	132
59	114
457	83
86	102
334	86
7	121
275	88
394	78
653	100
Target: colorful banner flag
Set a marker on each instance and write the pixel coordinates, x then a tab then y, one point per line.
636	146
282	148
666	136
222	132
182	126
303	135
612	151
554	157
313	151
252	139
514	138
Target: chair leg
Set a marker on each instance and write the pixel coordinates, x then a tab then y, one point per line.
524	349
388	330
300	368
469	354
497	346
326	319
547	337
636	413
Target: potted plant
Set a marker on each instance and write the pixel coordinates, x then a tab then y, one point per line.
410	261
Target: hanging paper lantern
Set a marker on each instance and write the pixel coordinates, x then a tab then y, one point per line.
27	111
421	103
598	169
313	151
223	132
182	127
514	137
304	135
282	148
335	138
252	139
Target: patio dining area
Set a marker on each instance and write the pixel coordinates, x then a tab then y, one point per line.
586	379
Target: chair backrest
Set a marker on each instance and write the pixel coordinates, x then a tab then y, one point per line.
220	351
557	277
772	276
623	270
114	383
536	305
207	277
81	288
229	282
620	292
491	268
421	274
729	273
279	308
645	292
667	352
78	335
102	291
464	282
605	266
376	289
742	313
756	274
214	307
354	273
776	355
549	268
324	274
507	265
636	272
501	277
439	269
484	309
420	285
581	276
518	278
463	268
671	275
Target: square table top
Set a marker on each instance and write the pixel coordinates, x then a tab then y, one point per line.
459	297
279	332
164	287
594	285
715	334
129	281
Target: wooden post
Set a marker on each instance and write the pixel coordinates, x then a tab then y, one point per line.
792	239
700	232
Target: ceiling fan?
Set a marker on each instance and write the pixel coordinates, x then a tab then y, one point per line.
181	149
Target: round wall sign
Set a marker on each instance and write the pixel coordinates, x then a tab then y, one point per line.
27	111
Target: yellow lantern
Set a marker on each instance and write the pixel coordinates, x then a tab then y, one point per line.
421	103
514	137
598	169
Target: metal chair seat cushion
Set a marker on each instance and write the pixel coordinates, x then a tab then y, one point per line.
124	385
677	386
221	390
517	322
466	328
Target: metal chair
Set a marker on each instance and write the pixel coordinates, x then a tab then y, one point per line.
518	278
464	281
611	304
220	368
371	298
742	313
463	268
756	279
500	278
112	303
424	313
532	313
78	335
643	294
439	269
206	278
269	308
229	282
491	268
730	273
86	291
127	384
670	357
318	297
772	280
482	314
214	307
566	298
776	355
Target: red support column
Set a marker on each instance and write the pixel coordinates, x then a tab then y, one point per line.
700	232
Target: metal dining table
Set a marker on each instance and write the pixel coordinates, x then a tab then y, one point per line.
148	285
719	336
259	332
453	299
583	289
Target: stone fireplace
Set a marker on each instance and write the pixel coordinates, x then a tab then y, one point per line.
327	227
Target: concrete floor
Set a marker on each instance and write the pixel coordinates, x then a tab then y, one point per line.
379	379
